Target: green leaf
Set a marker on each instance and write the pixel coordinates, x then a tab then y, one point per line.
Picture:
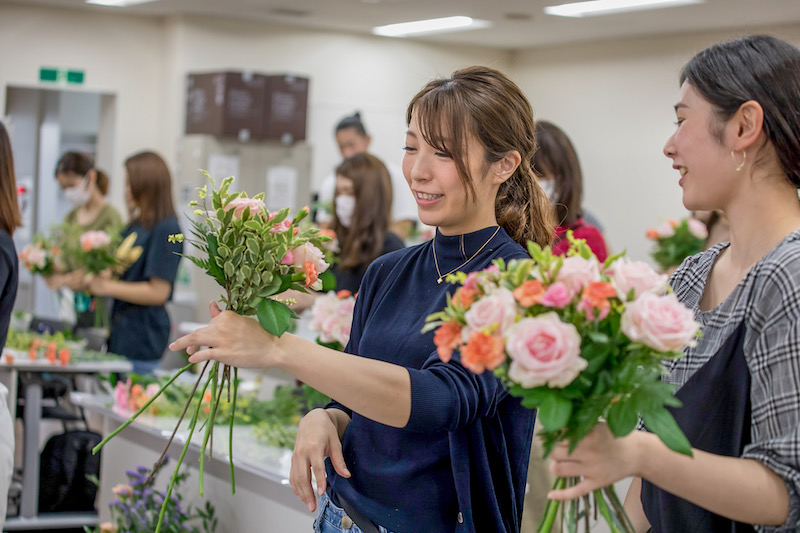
622	417
274	317
328	281
661	422
230	271
554	411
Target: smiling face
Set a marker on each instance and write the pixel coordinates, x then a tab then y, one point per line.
707	171
439	191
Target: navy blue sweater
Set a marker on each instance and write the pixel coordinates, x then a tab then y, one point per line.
460	463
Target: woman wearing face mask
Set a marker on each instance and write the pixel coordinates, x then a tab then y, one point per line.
85	187
362	206
556	164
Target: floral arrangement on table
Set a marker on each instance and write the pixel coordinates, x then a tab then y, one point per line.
675	240
253	255
332	317
60	347
137	500
578	340
42	256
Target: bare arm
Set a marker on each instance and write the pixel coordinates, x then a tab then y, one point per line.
633	506
740	489
152	292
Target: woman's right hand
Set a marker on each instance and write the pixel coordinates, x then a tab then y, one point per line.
317	438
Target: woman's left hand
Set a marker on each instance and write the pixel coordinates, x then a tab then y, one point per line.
230	339
600	459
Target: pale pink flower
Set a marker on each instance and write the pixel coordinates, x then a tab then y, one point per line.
122	490
34	255
91	240
332	317
121	394
309	259
495	312
557	296
665	229
241	203
627	275
697	228
660	322
152	389
577	272
544	351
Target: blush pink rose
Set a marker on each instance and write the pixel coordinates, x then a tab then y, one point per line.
33	255
332	317
665	229
544	351
577	272
91	240
697	228
495	312
556	296
627	275
660	322
240	204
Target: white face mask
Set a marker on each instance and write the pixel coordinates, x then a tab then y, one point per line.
78	195
549	188
345	207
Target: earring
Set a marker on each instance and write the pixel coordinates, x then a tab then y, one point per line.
744	158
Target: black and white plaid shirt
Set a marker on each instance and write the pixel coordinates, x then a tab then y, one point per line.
768	300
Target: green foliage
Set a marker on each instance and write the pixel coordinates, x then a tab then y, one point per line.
671	251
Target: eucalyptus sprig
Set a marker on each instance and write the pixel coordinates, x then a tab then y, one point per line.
253	255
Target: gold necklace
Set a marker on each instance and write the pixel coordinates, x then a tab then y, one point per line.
436	262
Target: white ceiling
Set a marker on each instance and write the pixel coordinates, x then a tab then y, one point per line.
515	24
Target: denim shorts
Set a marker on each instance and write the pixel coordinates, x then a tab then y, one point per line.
330	519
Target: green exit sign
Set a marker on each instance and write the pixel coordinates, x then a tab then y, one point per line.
61	75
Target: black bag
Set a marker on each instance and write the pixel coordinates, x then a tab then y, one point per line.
65	462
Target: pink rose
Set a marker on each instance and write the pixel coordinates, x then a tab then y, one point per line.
577	272
324	306
495	312
241	203
697	228
308	253
91	240
627	275
544	351
121	394
152	389
332	317
660	322
33	255
557	296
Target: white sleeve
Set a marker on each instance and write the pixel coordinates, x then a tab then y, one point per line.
404	207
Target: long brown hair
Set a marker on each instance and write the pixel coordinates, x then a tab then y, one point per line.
556	158
10	218
151	187
80	164
482	102
362	242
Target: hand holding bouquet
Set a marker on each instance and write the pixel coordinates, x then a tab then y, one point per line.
676	240
580	341
253	255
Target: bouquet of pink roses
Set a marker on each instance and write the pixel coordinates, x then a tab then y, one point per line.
332	317
676	240
42	256
578	340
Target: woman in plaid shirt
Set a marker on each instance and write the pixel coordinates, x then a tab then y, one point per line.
737	148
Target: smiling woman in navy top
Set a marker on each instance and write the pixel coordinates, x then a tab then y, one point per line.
416	444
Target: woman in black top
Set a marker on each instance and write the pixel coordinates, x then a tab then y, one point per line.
140	324
362	208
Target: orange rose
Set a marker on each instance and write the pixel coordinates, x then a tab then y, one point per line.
482	352
447	338
529	293
652	233
344	293
310	270
464	297
595	298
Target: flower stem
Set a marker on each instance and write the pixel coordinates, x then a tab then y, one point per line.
230	433
140	411
158	463
551	509
605	512
619	510
209	421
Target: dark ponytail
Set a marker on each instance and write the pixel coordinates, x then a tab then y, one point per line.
80	165
483	102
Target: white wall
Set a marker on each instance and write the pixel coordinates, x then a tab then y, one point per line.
120	55
377	76
614	100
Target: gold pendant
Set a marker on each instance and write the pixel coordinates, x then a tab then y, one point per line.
439	280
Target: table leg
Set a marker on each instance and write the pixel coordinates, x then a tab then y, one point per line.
29	505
